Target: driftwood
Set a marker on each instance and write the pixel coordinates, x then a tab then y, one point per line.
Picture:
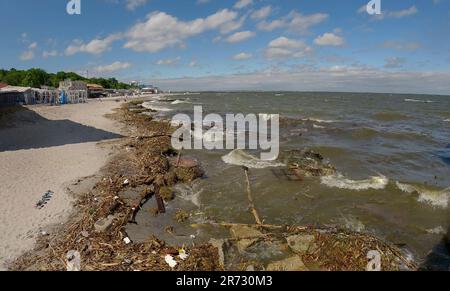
267	226
144	199
250	199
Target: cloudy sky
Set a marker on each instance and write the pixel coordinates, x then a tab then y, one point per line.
322	45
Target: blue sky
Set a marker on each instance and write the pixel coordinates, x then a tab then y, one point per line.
322	45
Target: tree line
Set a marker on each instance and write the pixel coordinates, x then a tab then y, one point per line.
37	77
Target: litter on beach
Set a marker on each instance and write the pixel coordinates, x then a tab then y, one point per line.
45	199
183	255
170	261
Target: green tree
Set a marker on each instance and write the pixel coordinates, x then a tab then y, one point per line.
37	77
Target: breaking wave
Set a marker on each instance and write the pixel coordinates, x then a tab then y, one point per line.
179	102
437	230
319	120
147	105
436	198
339	181
419	101
241	158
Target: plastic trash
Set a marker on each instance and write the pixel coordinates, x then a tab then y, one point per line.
127	240
73	261
183	255
170	261
45	199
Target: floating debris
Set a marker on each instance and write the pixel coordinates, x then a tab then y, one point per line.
182	216
241	158
307	163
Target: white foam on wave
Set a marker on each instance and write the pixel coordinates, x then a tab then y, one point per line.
241	158
419	101
436	198
447	120
319	120
188	193
339	181
179	102
147	105
437	230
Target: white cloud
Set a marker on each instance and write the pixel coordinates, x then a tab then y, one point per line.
52	53
397	14
400	45
391	14
403	13
116	66
394	62
284	47
96	46
362	9
262	13
167	62
27	55
233	25
294	22
242	56
33	45
240	36
242	4
161	30
133	4
329	39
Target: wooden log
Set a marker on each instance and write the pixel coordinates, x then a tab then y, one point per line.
250	199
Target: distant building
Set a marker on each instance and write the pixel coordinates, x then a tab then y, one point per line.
73	92
2	85
73	85
95	90
150	90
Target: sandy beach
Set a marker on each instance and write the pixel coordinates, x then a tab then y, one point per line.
44	148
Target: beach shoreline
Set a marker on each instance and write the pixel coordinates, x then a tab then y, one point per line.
126	191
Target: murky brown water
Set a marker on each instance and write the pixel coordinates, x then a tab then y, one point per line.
392	153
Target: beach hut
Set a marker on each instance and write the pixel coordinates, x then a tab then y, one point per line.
22	95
